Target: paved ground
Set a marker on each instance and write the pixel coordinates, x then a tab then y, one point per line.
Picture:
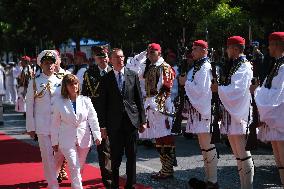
189	161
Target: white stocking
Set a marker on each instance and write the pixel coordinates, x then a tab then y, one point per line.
239	164
205	165
278	151
248	172
212	161
240	171
210	156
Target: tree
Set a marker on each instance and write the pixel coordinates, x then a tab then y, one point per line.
226	21
130	23
268	14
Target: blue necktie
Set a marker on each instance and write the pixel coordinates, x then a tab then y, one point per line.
103	73
119	81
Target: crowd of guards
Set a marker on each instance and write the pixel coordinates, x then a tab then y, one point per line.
237	92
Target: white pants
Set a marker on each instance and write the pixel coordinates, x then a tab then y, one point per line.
11	94
76	158
20	105
51	163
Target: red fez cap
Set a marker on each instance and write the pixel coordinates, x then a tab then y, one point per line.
26	58
276	36
69	55
189	56
80	54
57	52
155	46
172	54
201	43
236	40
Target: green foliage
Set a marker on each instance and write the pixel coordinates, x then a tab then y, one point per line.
132	23
226	21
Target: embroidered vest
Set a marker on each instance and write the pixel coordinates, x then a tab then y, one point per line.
151	80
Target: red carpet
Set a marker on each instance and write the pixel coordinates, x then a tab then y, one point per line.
21	168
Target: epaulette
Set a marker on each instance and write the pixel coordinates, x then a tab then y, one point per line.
165	65
168	78
60	75
168	71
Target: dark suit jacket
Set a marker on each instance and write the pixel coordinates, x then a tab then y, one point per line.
94	75
115	103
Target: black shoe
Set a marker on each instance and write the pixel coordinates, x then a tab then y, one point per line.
62	177
114	187
211	185
188	135
59	179
194	183
129	187
107	184
175	162
161	176
148	144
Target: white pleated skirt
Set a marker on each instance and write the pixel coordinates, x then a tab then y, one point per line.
267	134
196	126
157	127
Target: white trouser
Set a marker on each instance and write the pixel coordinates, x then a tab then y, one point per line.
76	158
51	163
11	93
8	96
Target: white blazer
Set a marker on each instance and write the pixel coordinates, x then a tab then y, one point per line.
40	109
69	129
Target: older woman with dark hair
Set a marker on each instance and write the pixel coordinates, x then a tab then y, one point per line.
74	127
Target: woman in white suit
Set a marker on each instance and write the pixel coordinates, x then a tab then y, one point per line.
74	127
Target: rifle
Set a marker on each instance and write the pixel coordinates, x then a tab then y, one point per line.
215	107
180	99
252	136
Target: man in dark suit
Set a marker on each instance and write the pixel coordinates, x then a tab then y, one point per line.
123	114
91	83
